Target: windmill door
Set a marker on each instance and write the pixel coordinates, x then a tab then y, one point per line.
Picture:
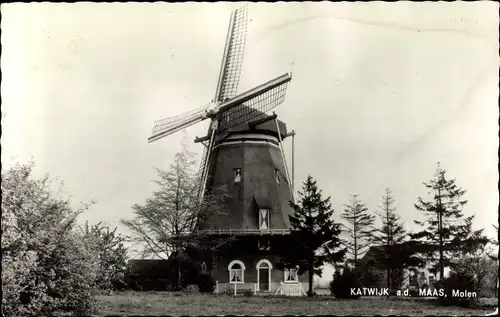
263	275
264	279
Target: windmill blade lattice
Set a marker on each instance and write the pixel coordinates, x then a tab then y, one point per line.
254	108
232	61
174	123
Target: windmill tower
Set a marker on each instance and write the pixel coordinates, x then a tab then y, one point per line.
243	151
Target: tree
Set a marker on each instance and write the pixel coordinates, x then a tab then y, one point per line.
483	269
492	252
166	223
391	236
47	266
112	254
314	232
359	228
446	233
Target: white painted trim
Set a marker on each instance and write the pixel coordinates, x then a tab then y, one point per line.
269	268
251	136
264	261
247	142
230	267
234	262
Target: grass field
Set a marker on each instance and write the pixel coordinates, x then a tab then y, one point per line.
164	303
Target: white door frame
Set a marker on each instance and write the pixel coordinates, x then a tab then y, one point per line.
269	267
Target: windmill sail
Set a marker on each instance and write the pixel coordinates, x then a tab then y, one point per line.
201	171
229	76
254	108
232	59
227	109
167	126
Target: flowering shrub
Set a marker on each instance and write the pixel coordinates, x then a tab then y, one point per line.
108	246
47	267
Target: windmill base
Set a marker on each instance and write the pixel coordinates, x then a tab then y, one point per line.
260	270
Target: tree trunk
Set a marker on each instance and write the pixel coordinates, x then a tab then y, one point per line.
311	275
441	260
388	278
179	277
440	230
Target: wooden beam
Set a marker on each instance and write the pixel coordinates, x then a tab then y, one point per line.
202	139
227	47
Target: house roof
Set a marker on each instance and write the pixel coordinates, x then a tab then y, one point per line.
378	251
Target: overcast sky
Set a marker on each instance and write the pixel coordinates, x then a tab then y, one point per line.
380	93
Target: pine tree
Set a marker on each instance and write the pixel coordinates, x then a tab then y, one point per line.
396	254
314	232
446	232
359	228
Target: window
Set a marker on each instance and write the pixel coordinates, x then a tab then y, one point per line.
264	245
264	219
237	175
291	275
277	175
432	279
413	278
236	271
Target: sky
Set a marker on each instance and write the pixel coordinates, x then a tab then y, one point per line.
380	93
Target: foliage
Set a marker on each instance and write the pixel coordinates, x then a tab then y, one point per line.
314	232
161	275
493	247
247	293
395	253
484	270
358	229
191	289
342	283
446	233
206	283
109	247
371	276
458	280
167	222
47	267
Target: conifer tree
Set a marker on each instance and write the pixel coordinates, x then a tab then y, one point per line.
359	228
446	233
314	232
391	236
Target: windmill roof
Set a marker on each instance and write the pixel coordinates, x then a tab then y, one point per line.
267	127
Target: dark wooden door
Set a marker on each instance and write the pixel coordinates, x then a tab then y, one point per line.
264	279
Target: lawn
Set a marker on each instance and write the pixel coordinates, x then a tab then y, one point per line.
175	304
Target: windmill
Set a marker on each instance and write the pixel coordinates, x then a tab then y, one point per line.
243	149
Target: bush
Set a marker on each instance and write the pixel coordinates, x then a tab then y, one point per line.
48	268
247	293
191	289
341	285
206	283
458	280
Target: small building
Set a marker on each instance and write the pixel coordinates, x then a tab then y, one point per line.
408	278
